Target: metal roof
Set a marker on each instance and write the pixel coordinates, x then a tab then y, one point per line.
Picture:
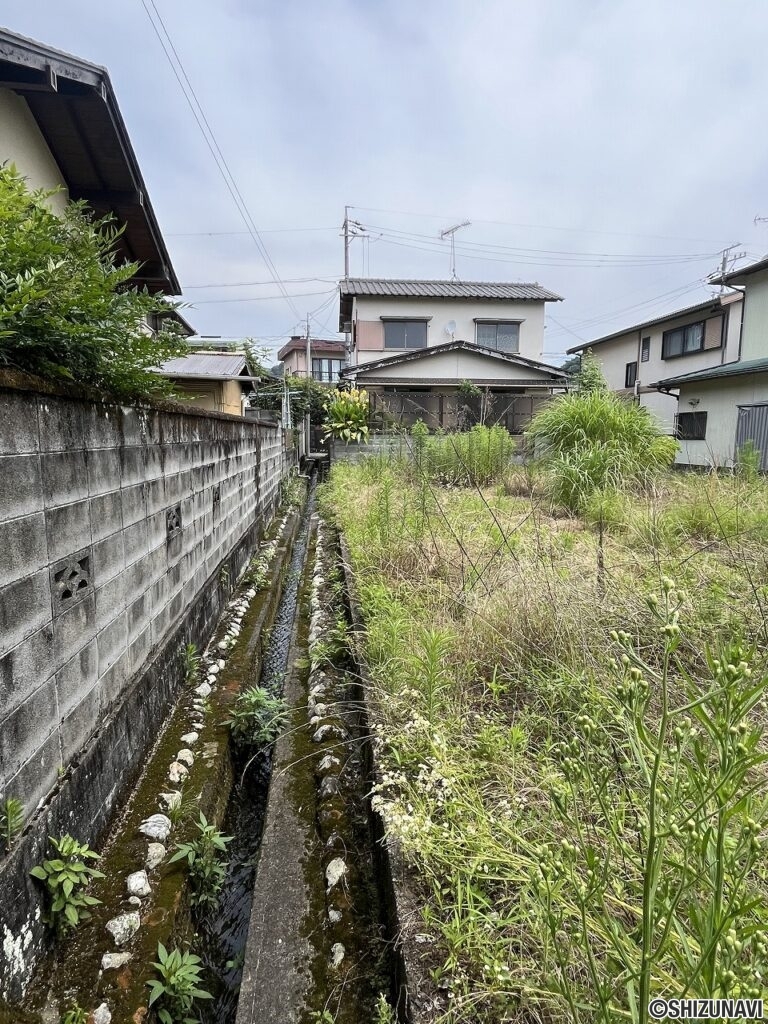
739	369
215	365
735	276
712	304
75	107
450	346
407	289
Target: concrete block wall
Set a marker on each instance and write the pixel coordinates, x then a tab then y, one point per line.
112	519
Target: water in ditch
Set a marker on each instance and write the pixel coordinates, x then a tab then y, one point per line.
223	933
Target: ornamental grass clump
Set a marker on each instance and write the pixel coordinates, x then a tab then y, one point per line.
595	439
472	458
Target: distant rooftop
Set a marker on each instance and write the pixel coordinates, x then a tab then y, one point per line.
316	345
211	365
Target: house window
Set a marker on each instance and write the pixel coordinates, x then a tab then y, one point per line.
645	350
405	334
630	375
683	341
326	370
501	335
691	426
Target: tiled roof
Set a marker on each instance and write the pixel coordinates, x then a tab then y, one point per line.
386	287
215	365
452	346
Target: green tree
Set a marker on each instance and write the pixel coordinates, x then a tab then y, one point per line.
67	309
590	375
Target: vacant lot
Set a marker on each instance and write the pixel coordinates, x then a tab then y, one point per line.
570	717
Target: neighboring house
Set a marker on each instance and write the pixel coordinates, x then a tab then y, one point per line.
217	381
421	347
61	126
328	358
699	337
722	407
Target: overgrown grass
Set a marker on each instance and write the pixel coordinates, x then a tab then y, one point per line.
581	839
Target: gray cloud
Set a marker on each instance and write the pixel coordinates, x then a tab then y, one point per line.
613	126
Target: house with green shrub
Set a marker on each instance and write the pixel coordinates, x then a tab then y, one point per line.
724	407
448	353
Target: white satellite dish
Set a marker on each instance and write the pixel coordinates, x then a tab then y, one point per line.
450	328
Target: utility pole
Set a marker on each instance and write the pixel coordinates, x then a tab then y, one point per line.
451	232
351	229
726	258
309	389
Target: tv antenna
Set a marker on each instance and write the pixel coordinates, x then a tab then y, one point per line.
452	232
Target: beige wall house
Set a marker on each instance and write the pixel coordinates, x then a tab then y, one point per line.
328	358
61	126
722	407
422	347
695	338
217	381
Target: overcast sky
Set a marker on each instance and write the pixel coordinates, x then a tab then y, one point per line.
605	148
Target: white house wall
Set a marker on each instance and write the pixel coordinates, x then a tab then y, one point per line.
22	144
457	365
463	312
614	355
720	399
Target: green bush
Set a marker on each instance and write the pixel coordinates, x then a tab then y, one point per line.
597	440
65	877
476	457
67	312
257	717
175	991
206	863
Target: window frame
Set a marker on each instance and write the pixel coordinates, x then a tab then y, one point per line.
645	349
666	341
486	321
319	374
696	415
387	320
630	368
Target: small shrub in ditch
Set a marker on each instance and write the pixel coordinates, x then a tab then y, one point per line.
66	876
75	1015
191	660
178	987
257	717
11	822
206	862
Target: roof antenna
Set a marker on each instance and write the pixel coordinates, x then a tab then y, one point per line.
452	232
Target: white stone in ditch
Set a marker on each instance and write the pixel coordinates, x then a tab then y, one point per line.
337	954
190	738
111	961
171	799
203	690
250	594
134	901
137	883
186	757
334	916
123	928
328	762
222	645
221	663
178	772
334	873
156	826
155	856
214	669
101	1015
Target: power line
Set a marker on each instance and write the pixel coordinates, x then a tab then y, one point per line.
262	231
215	149
249	284
543	227
258	298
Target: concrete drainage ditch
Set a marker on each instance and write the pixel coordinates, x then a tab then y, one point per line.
298	933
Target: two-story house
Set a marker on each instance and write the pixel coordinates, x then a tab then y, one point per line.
328	358
435	350
723	406
695	338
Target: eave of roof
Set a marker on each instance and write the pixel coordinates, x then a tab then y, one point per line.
735	276
712	304
74	105
450	346
316	345
737	369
